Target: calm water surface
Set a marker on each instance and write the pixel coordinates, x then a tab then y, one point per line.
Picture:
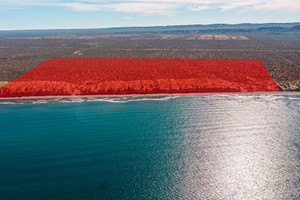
189	147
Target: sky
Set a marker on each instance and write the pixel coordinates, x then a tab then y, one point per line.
66	14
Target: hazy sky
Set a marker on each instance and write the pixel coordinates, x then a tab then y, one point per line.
44	14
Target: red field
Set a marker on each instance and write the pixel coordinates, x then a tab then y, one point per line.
99	76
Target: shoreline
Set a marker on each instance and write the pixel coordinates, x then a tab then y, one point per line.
148	95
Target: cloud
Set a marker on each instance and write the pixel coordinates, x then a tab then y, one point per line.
144	8
159	7
198	8
80	7
289	5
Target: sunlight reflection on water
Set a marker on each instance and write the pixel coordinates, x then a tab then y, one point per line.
179	147
246	152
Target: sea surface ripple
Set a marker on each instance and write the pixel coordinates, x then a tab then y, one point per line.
167	147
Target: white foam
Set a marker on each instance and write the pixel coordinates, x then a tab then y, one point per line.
40	101
98	99
69	100
9	102
131	99
294	98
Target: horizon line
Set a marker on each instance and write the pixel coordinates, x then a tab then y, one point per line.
154	26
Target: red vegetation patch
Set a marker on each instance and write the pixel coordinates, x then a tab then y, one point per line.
99	76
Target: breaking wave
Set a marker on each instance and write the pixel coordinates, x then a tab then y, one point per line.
127	99
131	99
88	99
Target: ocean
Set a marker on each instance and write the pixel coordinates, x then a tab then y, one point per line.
231	146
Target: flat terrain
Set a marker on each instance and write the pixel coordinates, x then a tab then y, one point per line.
277	47
139	37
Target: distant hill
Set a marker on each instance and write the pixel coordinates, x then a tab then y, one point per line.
246	28
295	28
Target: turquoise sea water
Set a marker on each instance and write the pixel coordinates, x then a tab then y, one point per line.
189	147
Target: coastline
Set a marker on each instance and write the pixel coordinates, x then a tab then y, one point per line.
74	97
